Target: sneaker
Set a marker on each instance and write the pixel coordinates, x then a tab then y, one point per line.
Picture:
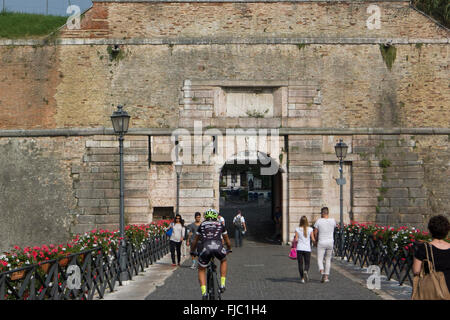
326	280
193	265
205	297
322	279
222	289
305	275
302	281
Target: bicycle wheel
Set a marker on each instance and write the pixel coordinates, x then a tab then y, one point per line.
211	284
218	292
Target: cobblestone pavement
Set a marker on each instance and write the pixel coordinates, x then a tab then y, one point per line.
389	290
259	271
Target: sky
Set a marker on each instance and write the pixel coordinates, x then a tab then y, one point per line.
55	7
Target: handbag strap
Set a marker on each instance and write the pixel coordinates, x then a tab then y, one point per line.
432	257
430	262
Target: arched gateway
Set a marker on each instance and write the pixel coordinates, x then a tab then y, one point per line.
244	186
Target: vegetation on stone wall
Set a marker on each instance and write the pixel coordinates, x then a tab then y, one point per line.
438	9
24	25
116	53
389	53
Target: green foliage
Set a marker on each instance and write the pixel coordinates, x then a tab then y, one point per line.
385	163
438	9
379	149
116	55
383	190
389	53
364	155
25	25
301	46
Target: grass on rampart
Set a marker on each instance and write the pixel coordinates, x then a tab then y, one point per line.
25	25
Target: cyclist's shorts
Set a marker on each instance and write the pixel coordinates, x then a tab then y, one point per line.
211	249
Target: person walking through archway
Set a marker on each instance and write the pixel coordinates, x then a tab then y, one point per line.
324	233
240	228
277	219
303	235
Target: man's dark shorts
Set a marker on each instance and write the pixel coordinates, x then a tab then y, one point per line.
211	249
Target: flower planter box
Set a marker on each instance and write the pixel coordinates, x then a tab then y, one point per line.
63	262
45	266
18	275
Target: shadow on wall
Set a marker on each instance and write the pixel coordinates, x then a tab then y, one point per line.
36	194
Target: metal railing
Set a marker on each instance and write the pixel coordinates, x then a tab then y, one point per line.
365	250
99	271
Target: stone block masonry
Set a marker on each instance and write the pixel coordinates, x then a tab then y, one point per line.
346	19
323	77
97	182
37	199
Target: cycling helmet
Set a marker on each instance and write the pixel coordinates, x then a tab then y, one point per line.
211	214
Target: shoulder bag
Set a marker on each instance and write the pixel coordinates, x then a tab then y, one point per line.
169	232
431	286
293	252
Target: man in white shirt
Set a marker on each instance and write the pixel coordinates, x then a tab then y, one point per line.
324	232
240	228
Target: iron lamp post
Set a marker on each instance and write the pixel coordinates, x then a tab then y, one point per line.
120	120
178	169
341	152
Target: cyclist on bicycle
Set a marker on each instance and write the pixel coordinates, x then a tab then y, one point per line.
210	232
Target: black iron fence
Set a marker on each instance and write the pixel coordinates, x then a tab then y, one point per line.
80	276
365	250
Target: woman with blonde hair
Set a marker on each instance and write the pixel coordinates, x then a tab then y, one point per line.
303	235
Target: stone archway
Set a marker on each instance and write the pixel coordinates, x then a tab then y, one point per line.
243	186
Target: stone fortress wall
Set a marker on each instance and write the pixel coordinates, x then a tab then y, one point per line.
324	75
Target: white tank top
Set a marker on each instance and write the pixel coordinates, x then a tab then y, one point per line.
304	244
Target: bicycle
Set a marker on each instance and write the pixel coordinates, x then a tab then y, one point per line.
212	282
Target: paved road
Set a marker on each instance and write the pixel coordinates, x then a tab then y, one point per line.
264	271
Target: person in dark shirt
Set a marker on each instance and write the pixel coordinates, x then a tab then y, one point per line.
210	233
439	227
193	227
